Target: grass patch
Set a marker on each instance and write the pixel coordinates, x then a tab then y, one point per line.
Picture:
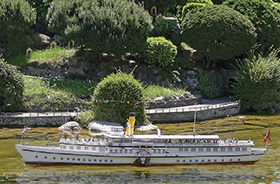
47	55
50	94
153	91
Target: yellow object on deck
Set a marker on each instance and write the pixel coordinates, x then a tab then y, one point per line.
130	127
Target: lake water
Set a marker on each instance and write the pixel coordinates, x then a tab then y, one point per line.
13	169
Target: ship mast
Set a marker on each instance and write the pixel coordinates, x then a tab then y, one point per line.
194	119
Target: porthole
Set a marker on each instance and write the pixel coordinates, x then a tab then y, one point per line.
79	159
184	160
36	156
106	160
68	158
54	158
196	160
46	157
84	159
73	159
111	160
215	160
61	158
100	160
239	159
94	160
202	160
178	160
209	160
223	160
190	160
230	160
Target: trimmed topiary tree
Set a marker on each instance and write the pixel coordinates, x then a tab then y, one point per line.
16	18
194	5
110	26
11	87
160	52
218	33
116	96
266	18
258	82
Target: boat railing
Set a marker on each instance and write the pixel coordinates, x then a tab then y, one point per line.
84	141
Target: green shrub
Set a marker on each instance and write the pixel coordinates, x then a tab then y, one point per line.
160	52
110	26
218	33
42	10
11	87
190	5
16	18
265	17
258	82
163	27
207	86
116	96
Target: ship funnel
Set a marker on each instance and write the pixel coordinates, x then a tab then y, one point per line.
130	127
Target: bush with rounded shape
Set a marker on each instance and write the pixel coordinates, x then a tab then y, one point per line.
11	87
265	17
116	96
258	82
195	4
160	52
16	18
218	32
110	26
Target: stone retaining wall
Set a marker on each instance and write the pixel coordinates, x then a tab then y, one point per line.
201	114
33	121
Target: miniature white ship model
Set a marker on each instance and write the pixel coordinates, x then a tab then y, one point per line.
144	150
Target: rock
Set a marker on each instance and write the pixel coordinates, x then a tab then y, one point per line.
58	39
70	126
270	110
76	73
160	98
276	107
34	63
41	41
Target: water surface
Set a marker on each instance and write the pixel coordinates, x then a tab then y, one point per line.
14	170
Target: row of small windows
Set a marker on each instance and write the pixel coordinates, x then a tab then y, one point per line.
78	159
79	147
210	149
209	160
121	151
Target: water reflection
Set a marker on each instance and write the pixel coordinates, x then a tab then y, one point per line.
134	175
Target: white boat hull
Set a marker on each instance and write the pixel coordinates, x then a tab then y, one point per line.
57	156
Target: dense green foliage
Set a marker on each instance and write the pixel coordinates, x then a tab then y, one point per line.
11	87
41	7
264	16
194	5
258	82
207	86
116	96
160	52
163	27
110	26
16	18
218	32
